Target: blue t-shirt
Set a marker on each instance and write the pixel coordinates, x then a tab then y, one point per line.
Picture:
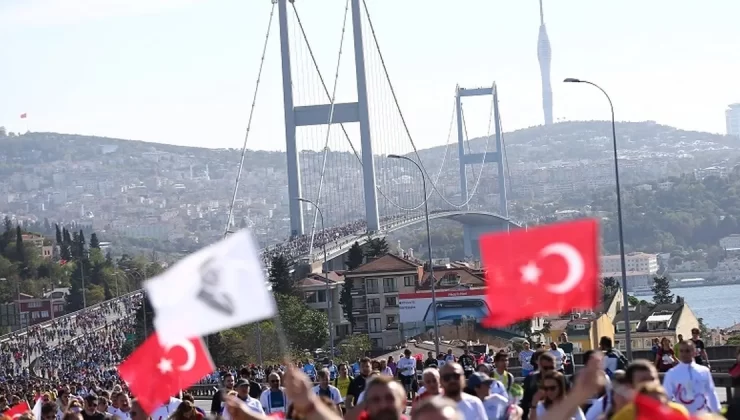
356	368
309	370
276	400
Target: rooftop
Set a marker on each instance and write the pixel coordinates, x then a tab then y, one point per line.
388	263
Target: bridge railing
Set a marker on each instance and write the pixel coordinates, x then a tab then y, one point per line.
45	324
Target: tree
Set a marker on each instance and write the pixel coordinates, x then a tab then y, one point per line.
377	248
703	329
280	276
355	347
94	243
81	245
65	248
75	299
305	328
19	243
58	233
354	260
734	340
661	290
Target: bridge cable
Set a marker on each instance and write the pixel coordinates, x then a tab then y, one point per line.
328	131
403	119
249	122
483	165
344	129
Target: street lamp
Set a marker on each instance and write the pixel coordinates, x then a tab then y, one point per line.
429	245
324	270
625	297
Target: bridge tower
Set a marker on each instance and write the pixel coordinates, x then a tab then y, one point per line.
496	157
298	116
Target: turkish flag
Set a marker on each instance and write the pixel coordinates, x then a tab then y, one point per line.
18	410
648	408
155	373
549	269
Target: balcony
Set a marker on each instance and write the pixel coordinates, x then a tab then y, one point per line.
360	328
390	289
357	291
373	290
374	309
392	326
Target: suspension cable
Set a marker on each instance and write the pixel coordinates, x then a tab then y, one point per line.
344	129
482	166
328	131
249	122
403	119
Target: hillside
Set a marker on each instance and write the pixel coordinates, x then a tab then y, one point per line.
175	198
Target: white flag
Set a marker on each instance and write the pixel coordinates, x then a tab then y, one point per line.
217	288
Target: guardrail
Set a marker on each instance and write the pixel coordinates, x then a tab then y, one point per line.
45	324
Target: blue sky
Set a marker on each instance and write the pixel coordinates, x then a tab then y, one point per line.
183	71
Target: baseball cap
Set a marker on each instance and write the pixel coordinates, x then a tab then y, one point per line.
242	382
479	378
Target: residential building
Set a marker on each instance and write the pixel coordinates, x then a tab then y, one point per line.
648	321
35	310
583	328
42	244
450	277
375	303
732	119
634	262
315	294
730	242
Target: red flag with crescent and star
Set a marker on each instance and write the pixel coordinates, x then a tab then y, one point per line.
17	410
154	372
550	269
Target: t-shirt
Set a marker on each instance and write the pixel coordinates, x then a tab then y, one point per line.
406	366
164	411
496	407
95	416
558	354
356	387
342	385
628	411
541	410
274	401
699	344
525	358
471	407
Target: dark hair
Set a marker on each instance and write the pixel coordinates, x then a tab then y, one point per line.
587	356
365	360
535	360
556	376
546	356
606	342
500	356
48	408
639	365
227	375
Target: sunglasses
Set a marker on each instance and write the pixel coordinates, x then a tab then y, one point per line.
450	376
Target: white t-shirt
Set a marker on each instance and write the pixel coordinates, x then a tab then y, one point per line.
267	403
496	406
471	407
120	414
406	366
336	396
558	354
541	412
253	404
164	412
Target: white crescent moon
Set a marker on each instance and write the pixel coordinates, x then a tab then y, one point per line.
573	259
189	350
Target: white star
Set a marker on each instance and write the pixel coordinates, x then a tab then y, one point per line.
165	365
530	273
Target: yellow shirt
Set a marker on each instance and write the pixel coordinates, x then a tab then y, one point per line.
343	385
628	411
504	379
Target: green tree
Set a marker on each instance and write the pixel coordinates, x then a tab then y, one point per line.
703	329
65	248
305	328
377	248
355	347
734	340
280	277
19	244
94	242
354	260
75	300
661	290
81	245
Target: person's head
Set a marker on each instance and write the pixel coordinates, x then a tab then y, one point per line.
553	346
453	381
102	405
665	343
242	388
620	384
552	384
74	406
407	353
695	333
546	362
390	359
430	355
501	361
525	345
436	408
383	364
385	399
653	390
91	404
449	352
535	359
63	398
229	381
185	410
483	368
48	411
686	351
480	384
641	371
430	380
342	369
244	373
114	398
3	401
323	376
680	338
124	402
605	343
365	366
274	380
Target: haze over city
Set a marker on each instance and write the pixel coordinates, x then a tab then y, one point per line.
183	72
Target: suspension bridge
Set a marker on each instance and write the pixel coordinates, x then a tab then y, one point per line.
334	146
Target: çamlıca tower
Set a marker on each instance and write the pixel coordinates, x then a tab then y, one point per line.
544	54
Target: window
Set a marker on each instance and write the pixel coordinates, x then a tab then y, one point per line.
409	281
310	297
391	319
34	305
391	301
633	326
450	280
373	306
389	285
580	326
377	343
371	285
375	325
321	296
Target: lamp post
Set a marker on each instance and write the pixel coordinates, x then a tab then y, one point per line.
429	245
326	276
625	297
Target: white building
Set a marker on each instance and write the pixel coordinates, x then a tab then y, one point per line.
634	261
730	242
732	116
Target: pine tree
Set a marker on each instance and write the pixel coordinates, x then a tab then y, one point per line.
354	260
20	254
106	290
81	244
280	276
661	290
65	248
47	226
75	300
94	243
58	234
377	248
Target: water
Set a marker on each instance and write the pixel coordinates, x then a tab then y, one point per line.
718	305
